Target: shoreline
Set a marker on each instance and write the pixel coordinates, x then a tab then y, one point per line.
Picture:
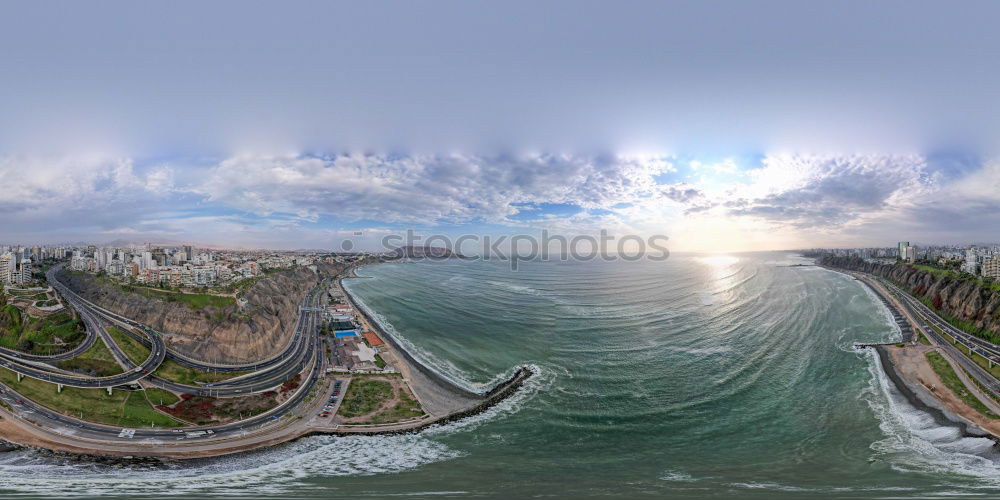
945	408
910	392
398	347
443	402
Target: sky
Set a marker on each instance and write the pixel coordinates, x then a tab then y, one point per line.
726	126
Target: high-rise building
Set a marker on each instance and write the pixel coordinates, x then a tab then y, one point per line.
8	268
25	271
188	253
991	267
910	254
901	247
159	256
971	264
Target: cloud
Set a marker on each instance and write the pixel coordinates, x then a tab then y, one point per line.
807	191
427	190
310	200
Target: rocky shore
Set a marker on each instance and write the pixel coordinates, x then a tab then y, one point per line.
918	396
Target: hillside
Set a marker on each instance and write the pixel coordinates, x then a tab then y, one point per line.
975	307
213	330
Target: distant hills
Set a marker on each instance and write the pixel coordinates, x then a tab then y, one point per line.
422	252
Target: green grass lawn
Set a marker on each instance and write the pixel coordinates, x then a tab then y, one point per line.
379	362
135	350
161	397
97	361
406	408
37	335
950	379
364	396
121	408
171	370
979	360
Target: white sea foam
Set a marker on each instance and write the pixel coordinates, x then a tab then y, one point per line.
269	472
915	442
521	289
677	476
265	473
442	368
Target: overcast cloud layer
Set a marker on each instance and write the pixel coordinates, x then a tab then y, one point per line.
744	125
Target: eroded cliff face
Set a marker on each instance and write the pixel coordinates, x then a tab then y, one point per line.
228	334
966	300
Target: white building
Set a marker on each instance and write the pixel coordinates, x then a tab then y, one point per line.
25	271
8	268
971	264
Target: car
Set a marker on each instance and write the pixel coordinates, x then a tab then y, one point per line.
177	431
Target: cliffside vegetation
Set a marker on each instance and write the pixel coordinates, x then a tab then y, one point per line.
169	370
210	327
966	301
46	335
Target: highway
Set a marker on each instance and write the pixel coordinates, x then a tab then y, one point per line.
984	377
294	361
979	345
276	371
26	365
293	344
63	424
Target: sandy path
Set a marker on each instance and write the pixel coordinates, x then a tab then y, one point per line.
911	363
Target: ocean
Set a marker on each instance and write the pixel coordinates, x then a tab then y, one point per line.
703	375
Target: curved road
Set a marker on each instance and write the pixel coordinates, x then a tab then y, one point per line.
984	377
24	364
304	361
289	363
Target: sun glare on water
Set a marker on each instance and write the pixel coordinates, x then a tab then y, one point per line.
718	260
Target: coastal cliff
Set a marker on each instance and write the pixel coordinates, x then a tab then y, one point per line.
963	299
227	334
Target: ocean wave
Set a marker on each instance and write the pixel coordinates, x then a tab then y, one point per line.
916	443
441	367
274	471
269	472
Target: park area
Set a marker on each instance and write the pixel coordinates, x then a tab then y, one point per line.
120	408
379	399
